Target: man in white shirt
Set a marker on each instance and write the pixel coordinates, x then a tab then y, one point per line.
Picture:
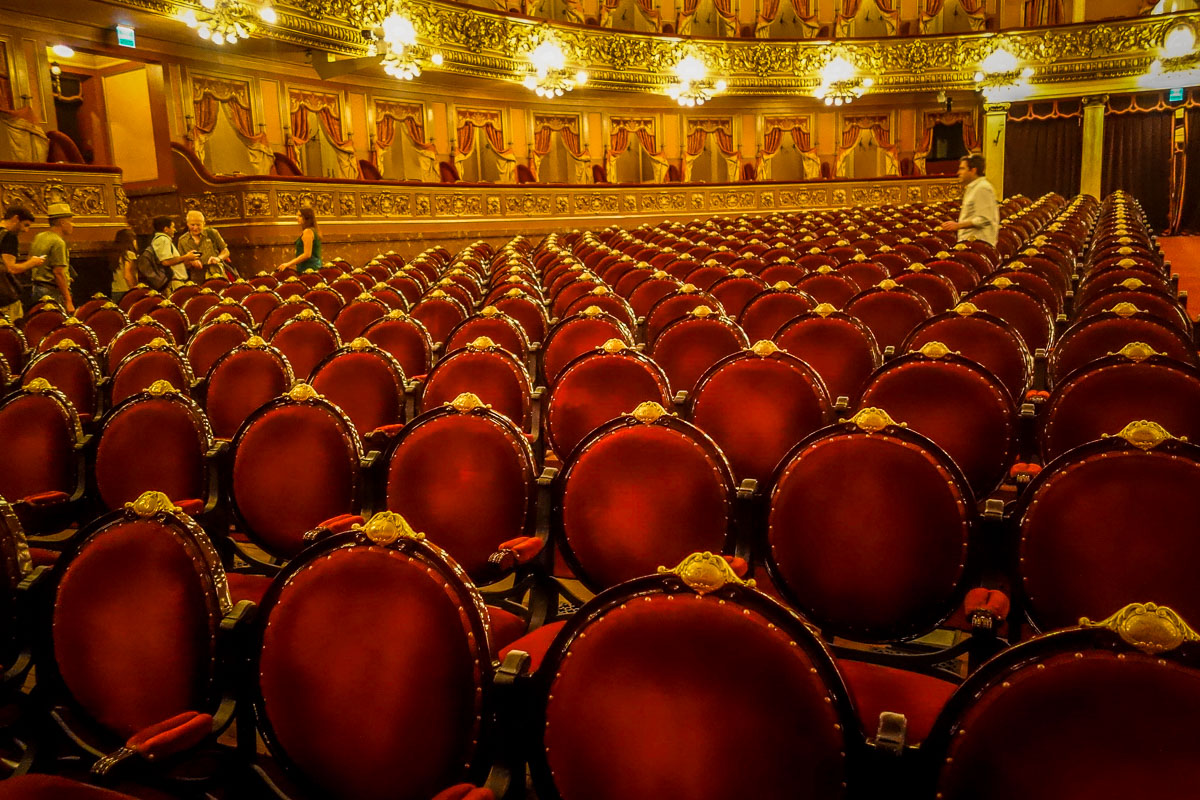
980	216
168	255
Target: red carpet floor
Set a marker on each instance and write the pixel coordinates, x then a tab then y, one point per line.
1184	254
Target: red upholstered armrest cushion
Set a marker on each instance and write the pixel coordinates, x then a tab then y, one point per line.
388	430
739	565
171	736
191	507
46	498
341	524
465	791
1022	472
1036	396
517	551
986	607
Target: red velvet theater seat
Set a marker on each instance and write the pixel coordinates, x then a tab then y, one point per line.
241	381
289	309
157	440
42	470
771	309
939	292
213	340
340	734
597	387
494	324
1092	711
487	370
641	491
306	340
439	313
406	339
677	305
51	787
364	381
297	462
736	289
958	404
890	310
1019	307
868	530
356	315
71	330
1109	521
985	339
827	286
137	333
578	334
1107	332
1101	398
839	347
463	474
606	300
13	346
142	594
687	347
138	371
40	320
626	709
260	303
196	306
71	370
756	405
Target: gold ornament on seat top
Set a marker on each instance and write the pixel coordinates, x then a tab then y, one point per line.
1144	434
1137	351
466	402
387	527
303	392
1151	628
706	572
873	420
150	504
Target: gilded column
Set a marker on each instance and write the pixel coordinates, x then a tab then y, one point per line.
1091	171
994	126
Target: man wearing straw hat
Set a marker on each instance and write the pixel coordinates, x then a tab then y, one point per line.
52	278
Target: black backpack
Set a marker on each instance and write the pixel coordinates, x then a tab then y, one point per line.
151	271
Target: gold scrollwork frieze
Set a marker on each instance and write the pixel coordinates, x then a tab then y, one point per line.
487	43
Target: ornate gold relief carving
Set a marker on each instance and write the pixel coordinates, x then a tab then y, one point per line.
1151	628
706	572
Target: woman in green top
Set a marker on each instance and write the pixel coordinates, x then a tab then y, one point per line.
308	246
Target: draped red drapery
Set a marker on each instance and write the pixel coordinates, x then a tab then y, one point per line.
771	9
327	109
848	10
390	115
724	8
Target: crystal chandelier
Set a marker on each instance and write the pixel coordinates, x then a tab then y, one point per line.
402	56
1178	64
227	21
840	83
1001	77
549	75
693	87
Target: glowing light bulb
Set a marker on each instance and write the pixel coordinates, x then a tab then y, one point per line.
209	5
205	32
268	15
1179	41
437	59
721	85
581	77
62	51
218	38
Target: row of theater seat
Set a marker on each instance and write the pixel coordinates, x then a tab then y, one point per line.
370	670
868	477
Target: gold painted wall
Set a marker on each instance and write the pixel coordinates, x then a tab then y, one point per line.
128	130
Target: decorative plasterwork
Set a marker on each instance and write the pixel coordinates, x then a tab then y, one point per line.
490	44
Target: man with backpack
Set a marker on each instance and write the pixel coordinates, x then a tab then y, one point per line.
173	265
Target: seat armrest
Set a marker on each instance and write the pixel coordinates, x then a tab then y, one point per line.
161	740
547	477
538	393
986	608
842	404
680	399
747	489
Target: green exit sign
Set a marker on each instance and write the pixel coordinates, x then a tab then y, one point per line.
125	36
1175	95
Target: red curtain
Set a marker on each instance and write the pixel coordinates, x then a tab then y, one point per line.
797	126
1044	12
724	9
771	9
849	9
209	95
544	135
387	115
327	109
648	6
970	132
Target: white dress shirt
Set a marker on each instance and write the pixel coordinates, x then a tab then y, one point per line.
979	208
